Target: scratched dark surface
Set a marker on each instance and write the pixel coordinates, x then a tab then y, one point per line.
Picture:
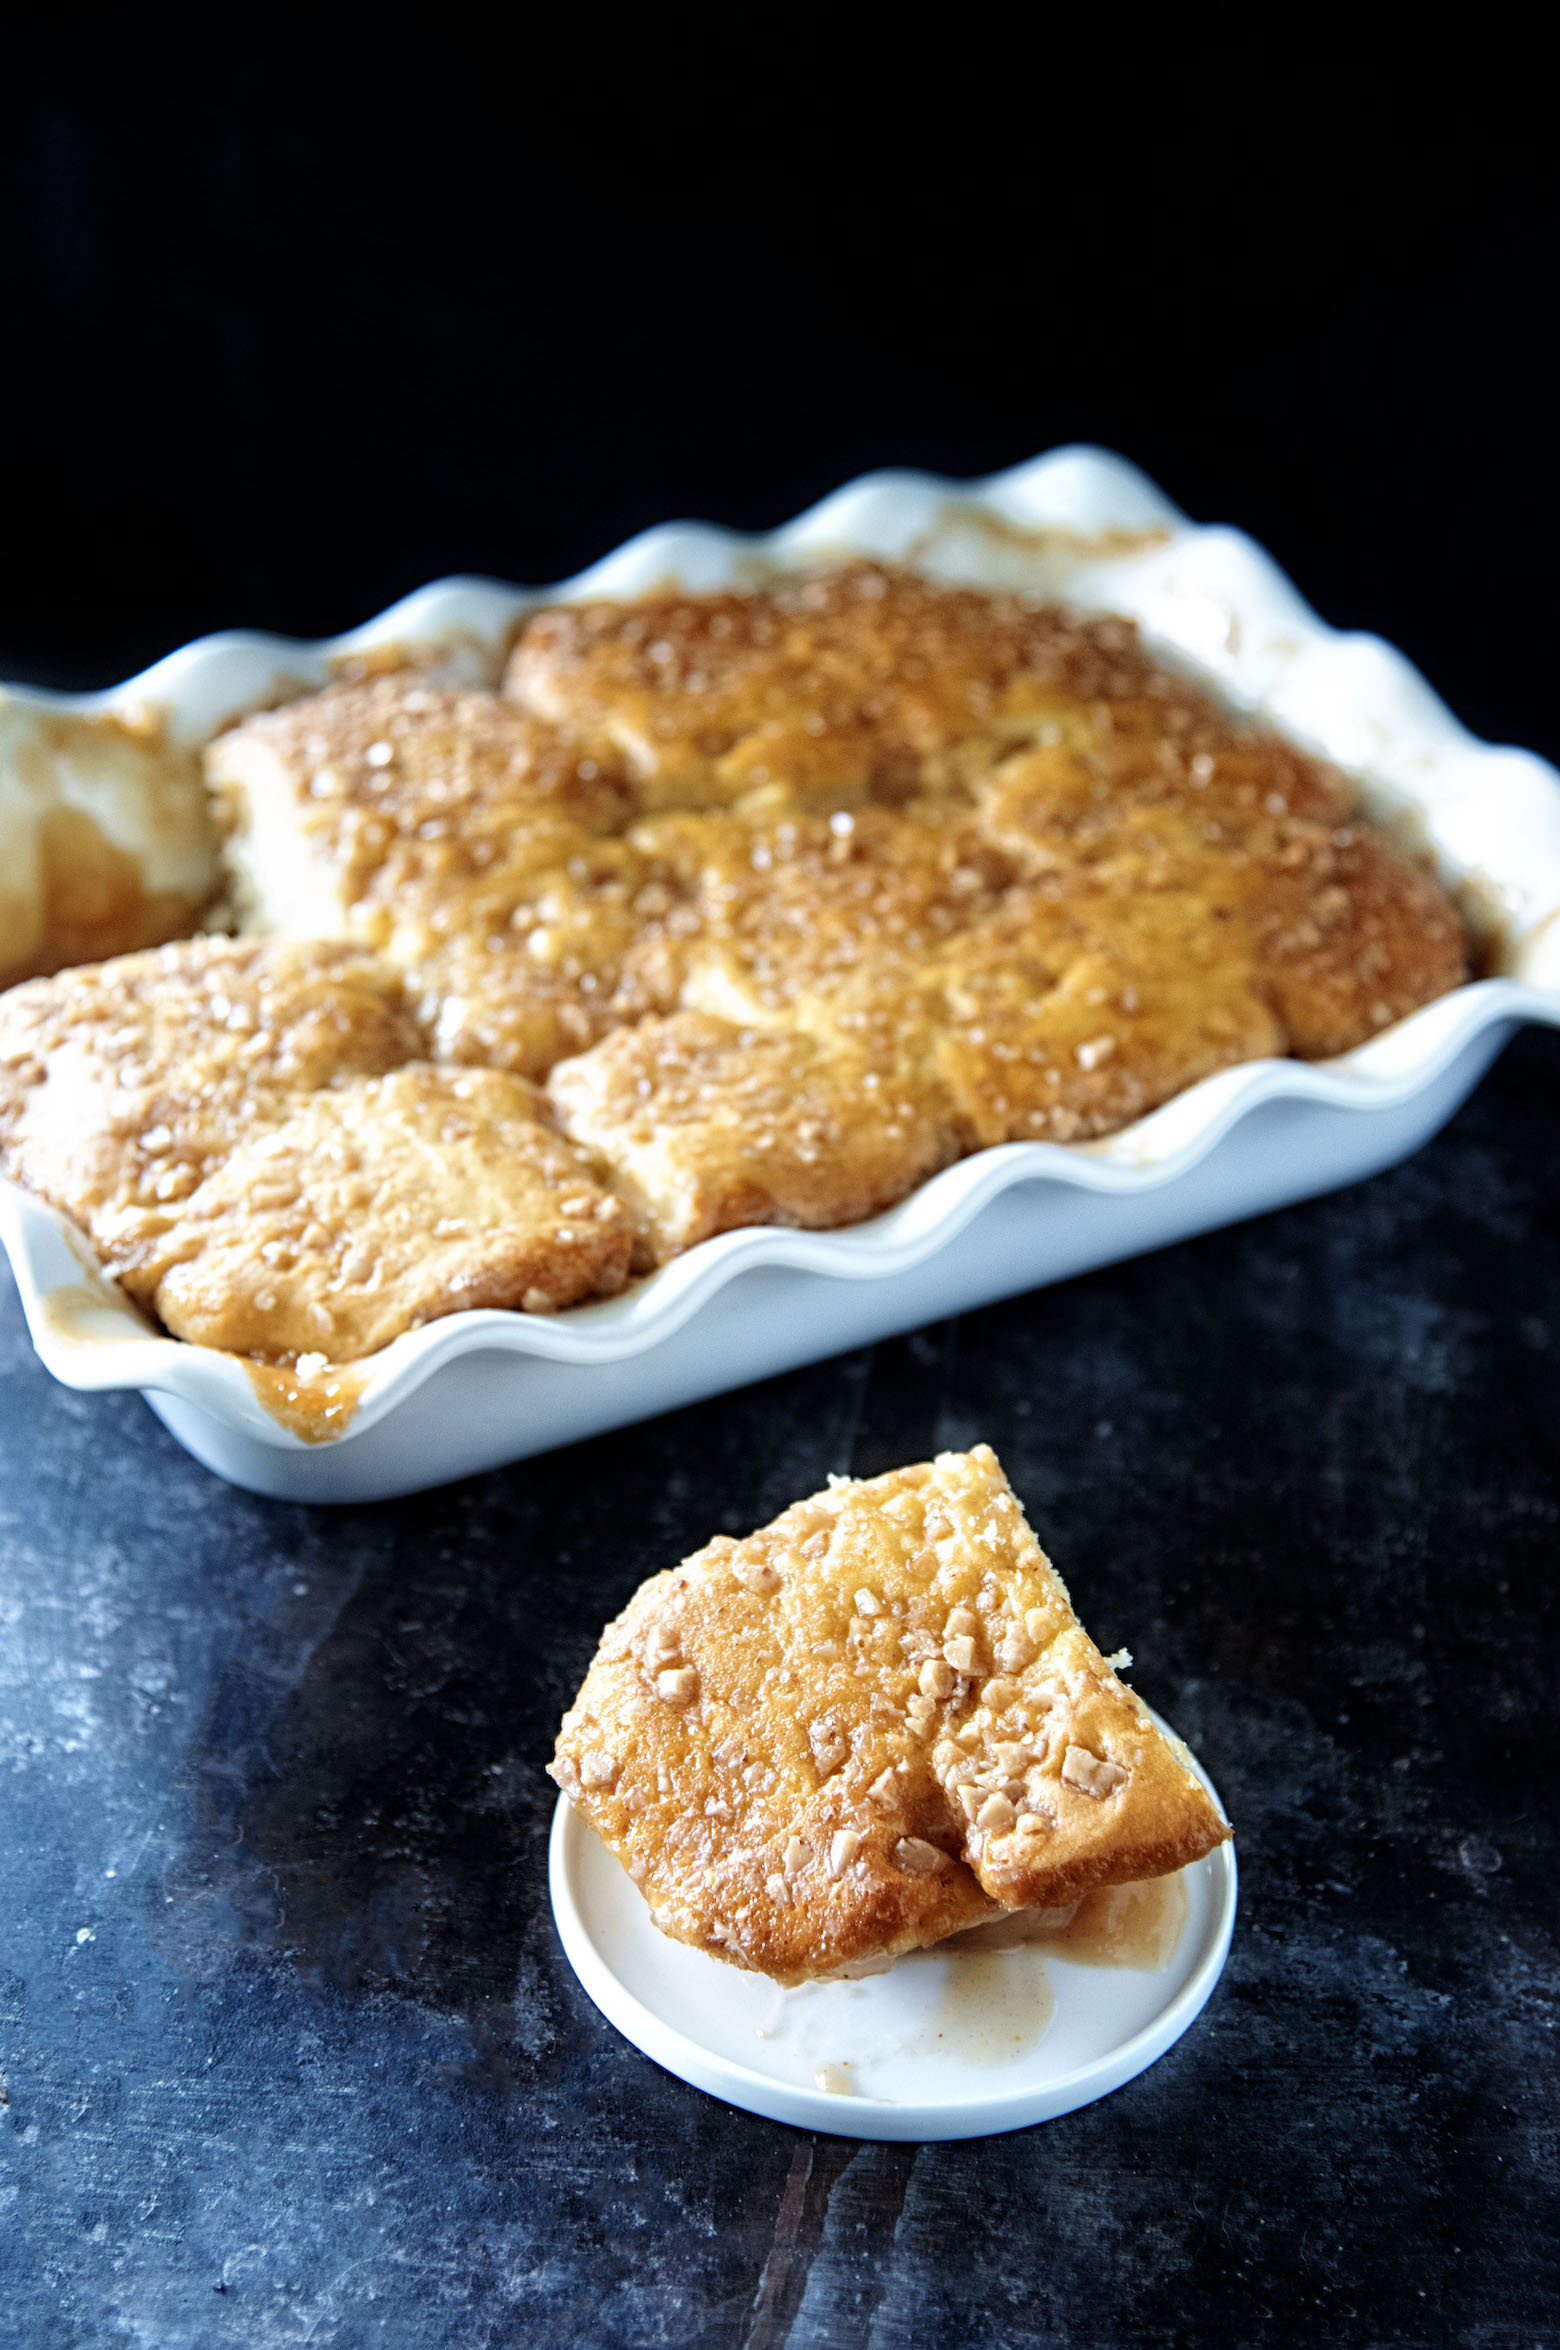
290	2052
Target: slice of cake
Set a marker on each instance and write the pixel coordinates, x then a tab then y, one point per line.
869	1725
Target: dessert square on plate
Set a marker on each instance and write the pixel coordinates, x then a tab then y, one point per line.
871	1724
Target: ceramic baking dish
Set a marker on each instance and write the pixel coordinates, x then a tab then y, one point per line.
1084	526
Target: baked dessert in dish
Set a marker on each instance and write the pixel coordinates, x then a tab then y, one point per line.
783	899
871	1725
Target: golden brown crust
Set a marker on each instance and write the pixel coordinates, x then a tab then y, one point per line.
121	1084
1344	932
706	1126
530	965
249	1133
862	679
401	792
856	1731
1076	1008
857	771
384	1203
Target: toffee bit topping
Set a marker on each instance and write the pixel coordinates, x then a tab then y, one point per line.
1092	1774
919	1858
843	1848
597	1767
678	1685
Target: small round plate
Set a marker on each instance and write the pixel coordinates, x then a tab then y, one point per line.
942	2046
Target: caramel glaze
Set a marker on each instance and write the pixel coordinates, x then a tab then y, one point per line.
91	899
999	1999
95	903
1116	1925
318	1409
75	1311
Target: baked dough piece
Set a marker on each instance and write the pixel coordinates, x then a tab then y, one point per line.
466	840
359	811
792	919
1076	1008
1052	1009
1345	933
527	966
871	1724
863	680
122	1084
381	1204
705	1126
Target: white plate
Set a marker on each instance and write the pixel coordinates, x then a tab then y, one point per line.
939	2047
476	1389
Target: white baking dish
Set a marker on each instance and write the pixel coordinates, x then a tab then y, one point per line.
480	1388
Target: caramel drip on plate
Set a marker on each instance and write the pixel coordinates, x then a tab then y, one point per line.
1117	1925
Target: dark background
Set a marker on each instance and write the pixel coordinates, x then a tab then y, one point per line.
287	333
286	340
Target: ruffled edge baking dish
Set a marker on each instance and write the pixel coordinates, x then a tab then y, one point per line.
1082	525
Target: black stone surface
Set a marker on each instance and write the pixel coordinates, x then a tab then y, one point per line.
291	2055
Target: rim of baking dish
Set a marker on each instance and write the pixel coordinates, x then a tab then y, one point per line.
1079	524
